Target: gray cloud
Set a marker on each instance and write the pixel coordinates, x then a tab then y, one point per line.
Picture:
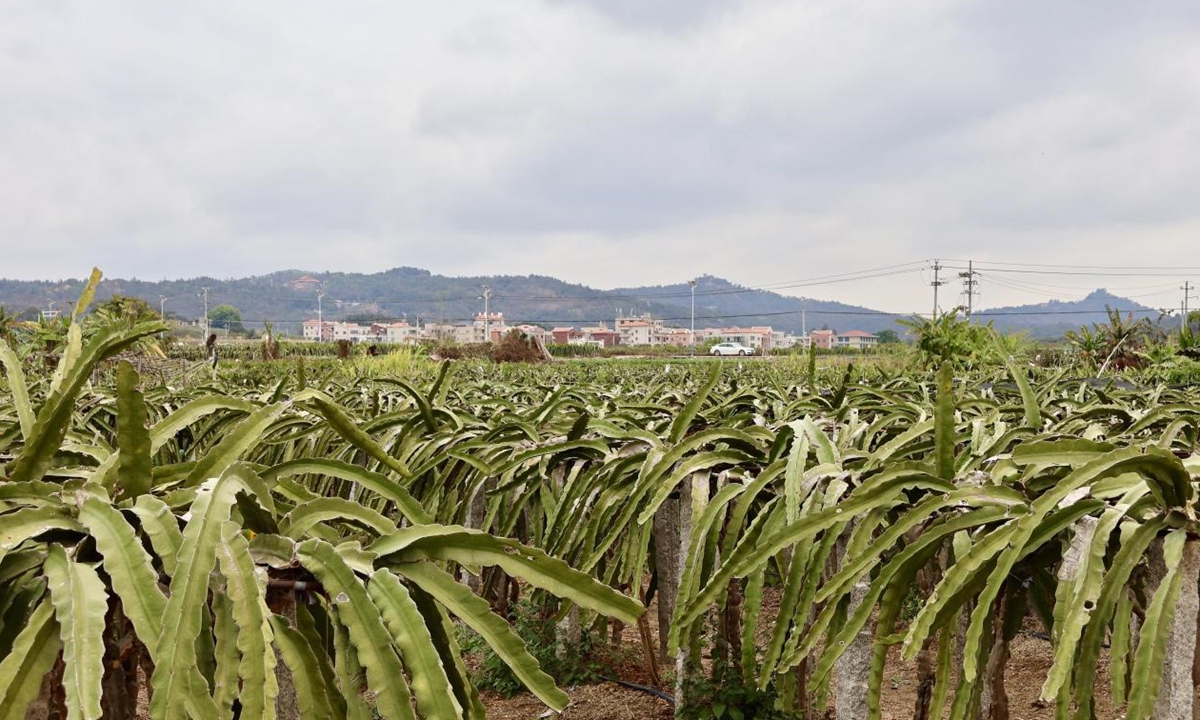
660	16
607	142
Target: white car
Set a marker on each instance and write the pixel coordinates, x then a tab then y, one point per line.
732	348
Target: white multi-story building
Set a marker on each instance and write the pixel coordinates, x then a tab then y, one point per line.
494	327
332	331
396	333
856	340
636	331
352	332
680	337
533	331
791	341
314	330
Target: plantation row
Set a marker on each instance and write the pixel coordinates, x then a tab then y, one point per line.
295	545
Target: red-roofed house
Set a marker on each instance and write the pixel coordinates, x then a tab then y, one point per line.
822	339
602	335
564	335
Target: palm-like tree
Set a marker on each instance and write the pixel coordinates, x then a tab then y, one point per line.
1118	343
1123	338
8	322
1086	343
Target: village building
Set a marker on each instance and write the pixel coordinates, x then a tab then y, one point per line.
856	340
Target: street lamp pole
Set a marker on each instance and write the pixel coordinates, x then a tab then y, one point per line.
692	282
162	307
320	321
487	296
206	328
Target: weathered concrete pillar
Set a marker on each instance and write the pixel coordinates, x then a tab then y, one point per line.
667	563
568	636
1175	693
854	666
852	669
287	704
476	515
928	578
993	703
693	498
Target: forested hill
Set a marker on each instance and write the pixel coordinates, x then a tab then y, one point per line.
289	297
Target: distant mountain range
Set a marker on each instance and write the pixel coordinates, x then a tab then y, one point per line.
1052	319
289	297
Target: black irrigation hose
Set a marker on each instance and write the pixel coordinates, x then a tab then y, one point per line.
653	691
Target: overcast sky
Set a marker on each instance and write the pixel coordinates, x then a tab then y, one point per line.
608	142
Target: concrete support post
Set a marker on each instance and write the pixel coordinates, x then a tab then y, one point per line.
1175	693
667	564
853	668
693	498
568	636
476	515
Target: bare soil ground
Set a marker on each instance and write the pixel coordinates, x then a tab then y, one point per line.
1023	679
589	702
1026	671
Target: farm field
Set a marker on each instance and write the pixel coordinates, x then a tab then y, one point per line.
968	536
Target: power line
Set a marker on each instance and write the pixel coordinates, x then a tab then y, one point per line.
821	280
1088	273
1028	288
1085	267
1041	289
1005	313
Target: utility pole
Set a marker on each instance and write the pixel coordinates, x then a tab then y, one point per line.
1183	319
487	296
320	318
206	330
969	284
162	307
937	282
692	282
